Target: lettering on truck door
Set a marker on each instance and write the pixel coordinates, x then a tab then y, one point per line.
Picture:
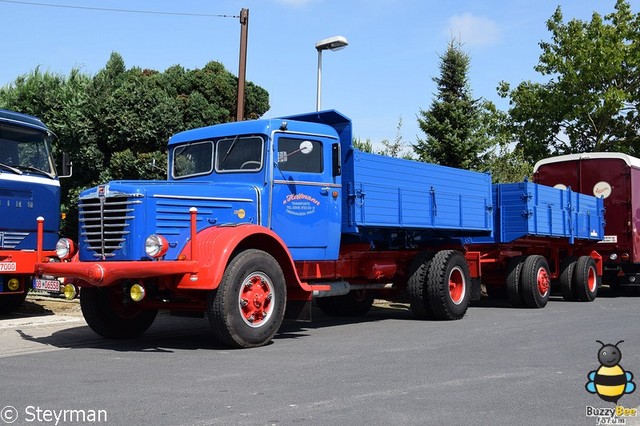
306	209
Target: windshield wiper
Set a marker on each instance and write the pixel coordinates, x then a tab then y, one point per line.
233	143
34	170
10	168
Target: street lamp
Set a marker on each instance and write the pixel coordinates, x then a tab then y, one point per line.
331	43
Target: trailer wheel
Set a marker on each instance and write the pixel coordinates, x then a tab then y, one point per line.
247	309
353	304
112	314
567	268
585	279
535	282
514	271
416	285
448	285
11	302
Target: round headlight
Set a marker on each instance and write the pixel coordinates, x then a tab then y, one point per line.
65	249
156	245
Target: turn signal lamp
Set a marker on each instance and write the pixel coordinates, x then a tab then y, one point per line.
13	284
65	249
137	292
156	246
69	291
624	256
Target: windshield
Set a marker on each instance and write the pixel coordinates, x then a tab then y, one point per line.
236	154
23	149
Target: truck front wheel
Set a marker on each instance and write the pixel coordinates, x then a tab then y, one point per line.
247	309
112	314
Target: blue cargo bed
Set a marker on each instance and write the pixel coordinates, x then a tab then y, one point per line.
383	192
527	209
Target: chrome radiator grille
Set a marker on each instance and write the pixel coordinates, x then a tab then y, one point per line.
104	223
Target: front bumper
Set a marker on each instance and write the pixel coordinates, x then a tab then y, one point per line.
106	273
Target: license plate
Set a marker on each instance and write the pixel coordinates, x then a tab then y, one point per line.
48	285
8	266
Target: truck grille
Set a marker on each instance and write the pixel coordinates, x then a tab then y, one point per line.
104	223
9	240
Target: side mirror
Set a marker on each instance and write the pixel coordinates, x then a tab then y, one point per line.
67	166
306	147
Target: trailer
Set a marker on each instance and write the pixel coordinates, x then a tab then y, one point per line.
258	218
543	240
615	177
29	197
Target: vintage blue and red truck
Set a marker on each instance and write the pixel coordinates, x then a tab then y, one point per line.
29	199
258	218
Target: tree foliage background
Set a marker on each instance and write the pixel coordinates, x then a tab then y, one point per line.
591	101
116	123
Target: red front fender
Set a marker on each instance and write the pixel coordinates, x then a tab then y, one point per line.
216	246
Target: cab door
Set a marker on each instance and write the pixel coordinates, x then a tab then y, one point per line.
306	194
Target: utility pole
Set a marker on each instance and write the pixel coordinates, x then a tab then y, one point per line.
242	68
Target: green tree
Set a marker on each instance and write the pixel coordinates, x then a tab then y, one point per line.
592	99
453	123
116	123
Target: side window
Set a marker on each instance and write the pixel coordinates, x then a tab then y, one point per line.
300	155
239	154
193	159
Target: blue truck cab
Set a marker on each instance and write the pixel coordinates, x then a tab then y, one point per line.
29	189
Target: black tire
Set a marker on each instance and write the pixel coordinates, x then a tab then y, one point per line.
448	285
565	279
236	321
535	282
417	283
514	271
11	302
112	314
353	304
585	279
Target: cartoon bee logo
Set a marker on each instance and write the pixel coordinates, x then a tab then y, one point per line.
610	381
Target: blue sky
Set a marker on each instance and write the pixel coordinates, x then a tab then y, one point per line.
384	75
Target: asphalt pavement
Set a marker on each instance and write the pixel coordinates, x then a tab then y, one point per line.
496	366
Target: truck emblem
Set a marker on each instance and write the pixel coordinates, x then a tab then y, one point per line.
240	213
101	190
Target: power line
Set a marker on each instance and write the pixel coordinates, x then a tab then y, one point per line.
104	9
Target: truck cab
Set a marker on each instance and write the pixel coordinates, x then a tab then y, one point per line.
29	189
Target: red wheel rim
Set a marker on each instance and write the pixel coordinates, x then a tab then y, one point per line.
457	286
254	300
543	282
592	282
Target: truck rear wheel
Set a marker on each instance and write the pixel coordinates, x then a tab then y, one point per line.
448	286
247	309
567	268
514	271
585	279
416	285
11	302
112	314
353	304
535	282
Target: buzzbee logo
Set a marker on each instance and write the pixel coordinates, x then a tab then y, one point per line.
610	381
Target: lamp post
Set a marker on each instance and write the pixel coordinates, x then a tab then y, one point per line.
331	43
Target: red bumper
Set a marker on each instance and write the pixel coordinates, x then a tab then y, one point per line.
106	273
